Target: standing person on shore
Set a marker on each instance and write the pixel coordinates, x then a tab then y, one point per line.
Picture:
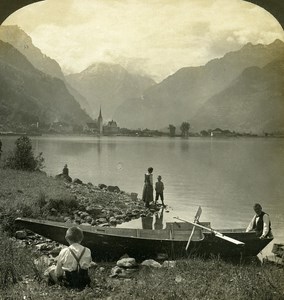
147	195
260	223
159	188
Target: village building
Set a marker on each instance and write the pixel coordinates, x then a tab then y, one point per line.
111	128
97	127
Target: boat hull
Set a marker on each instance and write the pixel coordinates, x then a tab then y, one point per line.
112	243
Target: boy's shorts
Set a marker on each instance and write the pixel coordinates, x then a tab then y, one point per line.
161	195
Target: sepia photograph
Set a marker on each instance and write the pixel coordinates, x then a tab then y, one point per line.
142	149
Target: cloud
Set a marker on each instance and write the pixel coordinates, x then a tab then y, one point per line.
157	37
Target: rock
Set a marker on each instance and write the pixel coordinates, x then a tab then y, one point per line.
53	211
104	225
113	189
21	234
102	220
85	224
120	216
84	215
89	219
43	246
134	196
102	186
64	177
169	264
117	271
112	220
151	263
127	263
77	181
55	251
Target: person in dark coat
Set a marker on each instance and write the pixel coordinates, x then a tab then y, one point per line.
147	195
260	223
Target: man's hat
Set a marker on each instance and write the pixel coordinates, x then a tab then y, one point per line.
159	177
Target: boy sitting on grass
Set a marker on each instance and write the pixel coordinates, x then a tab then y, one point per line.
73	262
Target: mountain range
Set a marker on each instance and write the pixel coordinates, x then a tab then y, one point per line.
181	96
28	95
240	91
108	86
23	43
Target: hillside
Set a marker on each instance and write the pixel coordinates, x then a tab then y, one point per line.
108	85
253	103
23	43
181	95
27	95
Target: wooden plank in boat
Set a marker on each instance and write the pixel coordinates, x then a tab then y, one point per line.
184	226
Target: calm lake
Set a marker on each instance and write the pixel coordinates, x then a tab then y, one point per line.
225	176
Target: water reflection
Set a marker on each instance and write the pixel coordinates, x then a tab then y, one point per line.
147	222
158	224
154	221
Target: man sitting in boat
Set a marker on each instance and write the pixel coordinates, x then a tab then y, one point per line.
73	262
260	223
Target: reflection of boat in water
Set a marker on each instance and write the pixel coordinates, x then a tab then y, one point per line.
112	243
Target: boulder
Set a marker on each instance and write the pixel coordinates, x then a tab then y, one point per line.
64	177
102	220
84	215
134	196
43	246
151	263
102	186
113	189
85	224
127	263
117	272
112	220
169	264
21	234
77	181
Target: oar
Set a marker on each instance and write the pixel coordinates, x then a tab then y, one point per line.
216	233
196	219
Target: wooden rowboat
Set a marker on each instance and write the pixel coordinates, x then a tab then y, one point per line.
109	243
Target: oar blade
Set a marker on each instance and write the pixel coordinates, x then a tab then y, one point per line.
227	238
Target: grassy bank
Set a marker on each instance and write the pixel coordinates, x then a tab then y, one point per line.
190	279
30	194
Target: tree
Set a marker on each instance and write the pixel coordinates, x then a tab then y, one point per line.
184	129
172	129
22	158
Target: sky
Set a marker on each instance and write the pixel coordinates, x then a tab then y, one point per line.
153	37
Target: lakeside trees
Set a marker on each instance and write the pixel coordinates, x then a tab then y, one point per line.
22	157
172	129
184	129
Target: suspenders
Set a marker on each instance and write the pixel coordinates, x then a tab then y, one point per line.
77	258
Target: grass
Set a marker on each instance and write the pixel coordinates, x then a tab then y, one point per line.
26	193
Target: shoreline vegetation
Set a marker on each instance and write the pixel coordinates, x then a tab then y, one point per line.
25	256
142	133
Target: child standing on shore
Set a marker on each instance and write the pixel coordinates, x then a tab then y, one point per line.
73	262
159	188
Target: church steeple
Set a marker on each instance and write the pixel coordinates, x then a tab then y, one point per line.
100	122
100	115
